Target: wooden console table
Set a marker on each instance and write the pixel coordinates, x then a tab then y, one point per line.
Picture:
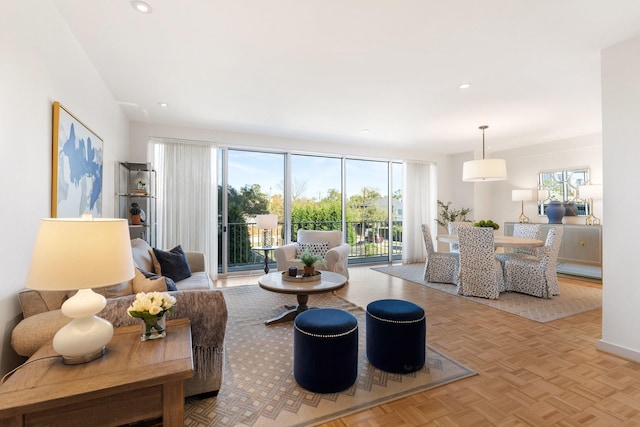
133	381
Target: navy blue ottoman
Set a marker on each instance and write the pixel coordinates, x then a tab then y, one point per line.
396	335
325	350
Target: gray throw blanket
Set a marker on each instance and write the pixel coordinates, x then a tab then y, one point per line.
207	312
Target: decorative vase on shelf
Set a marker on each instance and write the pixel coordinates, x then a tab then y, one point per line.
555	211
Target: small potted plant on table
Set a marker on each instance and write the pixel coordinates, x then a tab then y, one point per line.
310	260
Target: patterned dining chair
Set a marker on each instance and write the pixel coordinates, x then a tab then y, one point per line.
480	272
440	267
536	276
453	228
528	231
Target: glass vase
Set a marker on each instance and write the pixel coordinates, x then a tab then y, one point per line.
154	328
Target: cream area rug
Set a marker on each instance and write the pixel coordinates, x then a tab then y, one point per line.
573	299
258	385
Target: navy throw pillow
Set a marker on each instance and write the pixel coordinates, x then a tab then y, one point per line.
171	285
173	264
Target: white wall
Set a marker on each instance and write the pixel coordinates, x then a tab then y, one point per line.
41	63
621	116
141	132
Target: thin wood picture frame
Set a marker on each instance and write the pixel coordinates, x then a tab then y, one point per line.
77	167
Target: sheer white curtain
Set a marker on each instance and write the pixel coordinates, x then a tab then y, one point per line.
187	196
419	207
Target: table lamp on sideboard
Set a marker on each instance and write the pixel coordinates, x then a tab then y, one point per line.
590	192
522	196
80	254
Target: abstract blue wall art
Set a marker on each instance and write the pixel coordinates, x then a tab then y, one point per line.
76	185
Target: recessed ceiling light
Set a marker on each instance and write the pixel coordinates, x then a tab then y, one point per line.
465	86
364	130
163	104
141	6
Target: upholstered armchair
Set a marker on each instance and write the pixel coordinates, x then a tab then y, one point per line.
440	267
480	271
536	276
329	244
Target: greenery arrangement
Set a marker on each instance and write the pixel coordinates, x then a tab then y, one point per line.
486	223
448	215
310	259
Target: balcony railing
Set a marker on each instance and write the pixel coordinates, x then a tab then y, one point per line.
369	243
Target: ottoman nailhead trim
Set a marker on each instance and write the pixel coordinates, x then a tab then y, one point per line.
329	335
396	321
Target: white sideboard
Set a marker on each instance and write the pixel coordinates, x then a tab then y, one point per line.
581	245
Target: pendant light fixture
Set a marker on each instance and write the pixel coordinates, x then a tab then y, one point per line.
485	169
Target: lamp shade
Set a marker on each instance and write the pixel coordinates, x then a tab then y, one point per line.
79	253
266	222
590	191
521	195
484	170
543	194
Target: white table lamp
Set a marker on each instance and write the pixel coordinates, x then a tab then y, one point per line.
267	223
590	192
522	196
80	254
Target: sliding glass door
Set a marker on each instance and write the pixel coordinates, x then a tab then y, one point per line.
254	185
361	197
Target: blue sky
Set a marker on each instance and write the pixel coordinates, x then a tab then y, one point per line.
317	173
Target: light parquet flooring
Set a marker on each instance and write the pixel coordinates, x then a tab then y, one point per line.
529	373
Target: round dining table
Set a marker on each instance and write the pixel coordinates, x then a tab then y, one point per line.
498	241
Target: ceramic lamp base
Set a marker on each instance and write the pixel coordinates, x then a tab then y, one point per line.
85	337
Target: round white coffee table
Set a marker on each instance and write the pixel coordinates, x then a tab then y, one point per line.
273	282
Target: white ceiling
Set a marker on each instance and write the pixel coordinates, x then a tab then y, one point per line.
326	69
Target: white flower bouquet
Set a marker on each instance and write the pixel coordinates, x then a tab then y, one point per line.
151	307
141	182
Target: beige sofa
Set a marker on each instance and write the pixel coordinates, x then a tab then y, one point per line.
196	300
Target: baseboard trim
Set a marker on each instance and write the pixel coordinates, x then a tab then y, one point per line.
616	350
